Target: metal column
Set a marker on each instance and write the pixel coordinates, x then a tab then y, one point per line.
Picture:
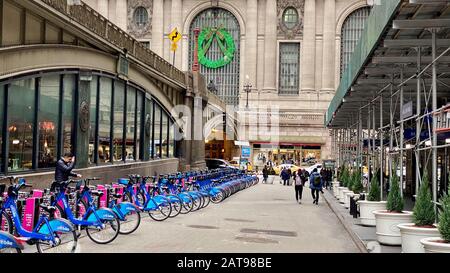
381	148
418	123
368	141
391	129
401	133
434	99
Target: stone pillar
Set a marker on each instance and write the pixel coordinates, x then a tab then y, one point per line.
270	53
329	43
251	40
82	98
103	7
121	14
148	116
309	47
158	27
176	22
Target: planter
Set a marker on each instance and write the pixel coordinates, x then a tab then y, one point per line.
341	194
335	188
270	179
386	226
365	210
348	195
412	235
435	245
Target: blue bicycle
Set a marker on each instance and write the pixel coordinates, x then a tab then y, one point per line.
102	225
158	207
128	213
49	235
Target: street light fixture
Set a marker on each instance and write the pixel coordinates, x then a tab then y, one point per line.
247	89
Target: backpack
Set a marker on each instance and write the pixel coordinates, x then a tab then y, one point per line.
316	180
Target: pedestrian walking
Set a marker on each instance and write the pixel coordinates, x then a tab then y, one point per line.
265	172
316	184
285	176
298	184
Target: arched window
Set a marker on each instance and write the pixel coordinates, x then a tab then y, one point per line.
140	16
351	32
290	17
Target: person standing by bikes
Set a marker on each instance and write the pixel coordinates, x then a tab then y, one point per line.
64	168
265	173
316	184
285	176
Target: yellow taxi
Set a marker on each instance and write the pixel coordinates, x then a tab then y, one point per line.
278	168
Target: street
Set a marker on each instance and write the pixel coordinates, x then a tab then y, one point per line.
263	218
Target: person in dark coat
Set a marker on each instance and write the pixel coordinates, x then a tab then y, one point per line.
285	176
64	168
265	173
316	184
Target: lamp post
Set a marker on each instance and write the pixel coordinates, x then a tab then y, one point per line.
247	89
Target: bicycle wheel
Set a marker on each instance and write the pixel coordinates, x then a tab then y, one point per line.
206	199
103	235
217	197
176	205
131	222
66	243
187	204
162	212
197	202
6	223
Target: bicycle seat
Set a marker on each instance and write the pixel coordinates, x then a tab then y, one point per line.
124	181
49	209
117	195
97	193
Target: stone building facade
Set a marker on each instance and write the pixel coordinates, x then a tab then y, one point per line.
289	51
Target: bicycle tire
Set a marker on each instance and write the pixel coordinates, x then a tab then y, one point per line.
10	250
10	228
123	230
176	206
153	215
71	248
187	206
115	227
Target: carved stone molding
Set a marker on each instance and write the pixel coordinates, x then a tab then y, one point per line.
133	29
299	5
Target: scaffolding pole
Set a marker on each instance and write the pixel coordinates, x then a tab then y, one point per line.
434	107
368	140
401	133
374	150
381	149
418	125
391	131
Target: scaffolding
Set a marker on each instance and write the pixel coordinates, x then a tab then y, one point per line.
407	67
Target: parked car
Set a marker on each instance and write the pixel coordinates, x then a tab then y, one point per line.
234	163
216	163
310	169
278	168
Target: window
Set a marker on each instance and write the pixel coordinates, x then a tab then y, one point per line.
139	124
157	132
130	127
289	68
48	120
67	118
146	44
351	33
290	18
164	136
141	16
93	120
149	103
172	139
21	113
104	133
119	98
2	109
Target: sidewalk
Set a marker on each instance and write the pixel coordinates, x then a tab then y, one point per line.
363	236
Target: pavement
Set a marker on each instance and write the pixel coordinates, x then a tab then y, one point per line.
364	237
262	219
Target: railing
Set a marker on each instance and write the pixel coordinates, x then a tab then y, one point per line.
98	24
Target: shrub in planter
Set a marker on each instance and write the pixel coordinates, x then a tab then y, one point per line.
395	202
423	213
374	192
344	177
357	184
444	218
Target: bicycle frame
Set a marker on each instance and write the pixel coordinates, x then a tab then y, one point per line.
151	202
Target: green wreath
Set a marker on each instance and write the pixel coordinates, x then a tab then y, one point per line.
225	42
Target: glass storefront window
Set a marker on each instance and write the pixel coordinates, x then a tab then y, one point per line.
2	97
172	139
119	98
157	132
93	120
48	120
21	107
130	129
139	123
165	139
67	119
105	120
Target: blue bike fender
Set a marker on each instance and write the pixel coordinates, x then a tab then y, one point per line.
185	197
8	241
61	225
173	199
214	191
103	213
159	199
126	207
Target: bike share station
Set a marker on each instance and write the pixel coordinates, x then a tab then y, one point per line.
53	219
